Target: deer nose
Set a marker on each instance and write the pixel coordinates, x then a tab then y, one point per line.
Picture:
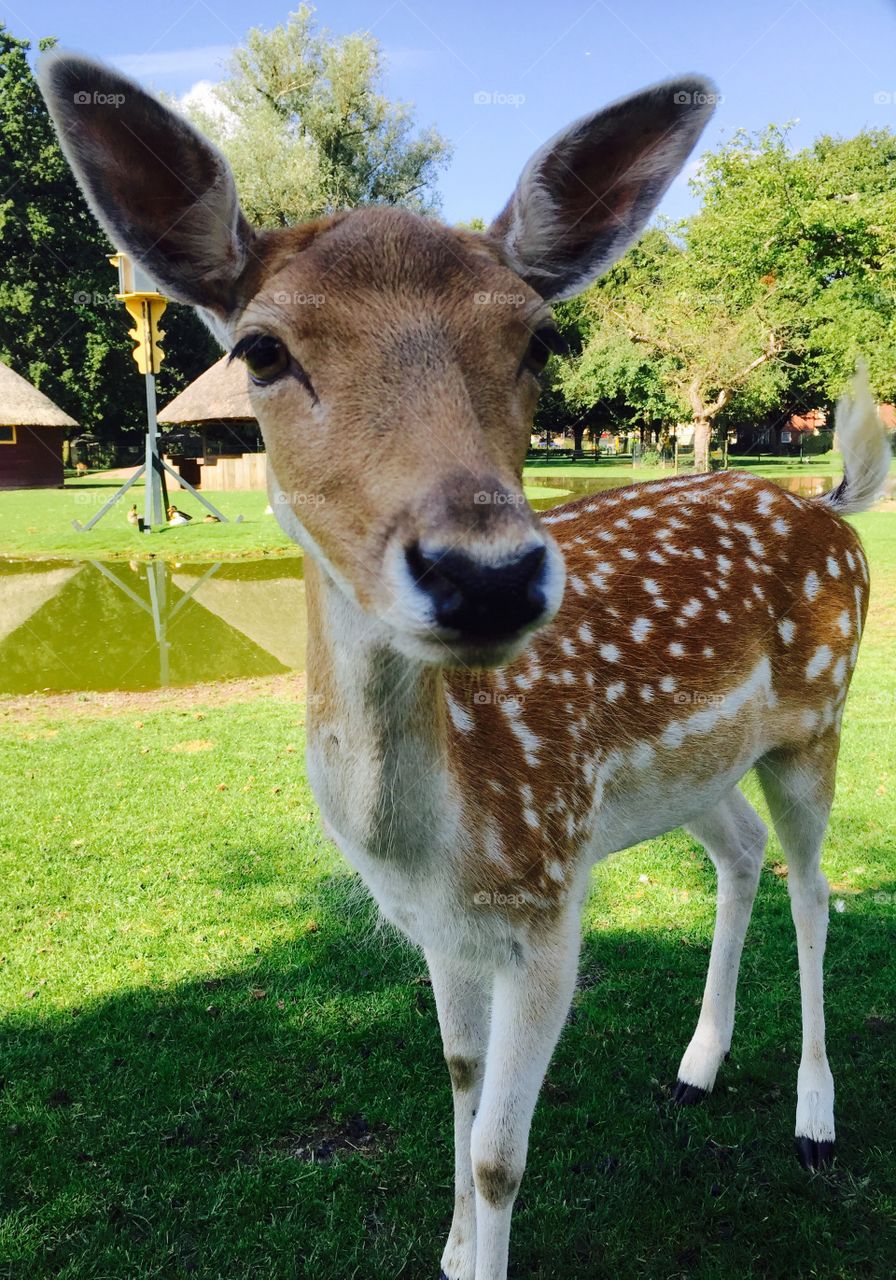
485	601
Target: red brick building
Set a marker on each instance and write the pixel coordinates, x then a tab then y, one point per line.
32	429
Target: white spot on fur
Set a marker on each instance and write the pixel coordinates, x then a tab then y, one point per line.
812	585
615	690
820	661
676	649
705	720
586	635
529	741
833	567
786	630
609	652
641	755
460	717
641	628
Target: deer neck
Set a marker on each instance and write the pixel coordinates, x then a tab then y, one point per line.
377	734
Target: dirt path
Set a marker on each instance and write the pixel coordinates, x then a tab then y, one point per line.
78	705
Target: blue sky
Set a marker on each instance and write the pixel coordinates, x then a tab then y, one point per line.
829	64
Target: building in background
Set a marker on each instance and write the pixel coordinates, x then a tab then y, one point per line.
218	443
32	431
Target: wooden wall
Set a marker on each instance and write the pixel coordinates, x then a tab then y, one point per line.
246	472
34	461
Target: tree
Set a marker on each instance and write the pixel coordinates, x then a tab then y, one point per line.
305	126
763	300
60	325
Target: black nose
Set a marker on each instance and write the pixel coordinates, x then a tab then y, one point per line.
483	601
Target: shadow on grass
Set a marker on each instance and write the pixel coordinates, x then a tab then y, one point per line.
292	1118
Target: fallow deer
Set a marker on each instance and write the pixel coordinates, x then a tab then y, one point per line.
479	736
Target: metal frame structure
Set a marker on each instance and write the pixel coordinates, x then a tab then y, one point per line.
145	305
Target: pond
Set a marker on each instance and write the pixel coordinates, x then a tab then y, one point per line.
132	626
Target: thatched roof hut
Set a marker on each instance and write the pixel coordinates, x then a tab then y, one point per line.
30	435
221	394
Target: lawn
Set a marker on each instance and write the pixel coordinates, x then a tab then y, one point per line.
214	1062
825	464
38	523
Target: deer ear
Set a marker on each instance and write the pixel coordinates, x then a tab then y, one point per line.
160	190
585	195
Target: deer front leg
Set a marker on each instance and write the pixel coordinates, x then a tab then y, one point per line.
462	1000
530	1000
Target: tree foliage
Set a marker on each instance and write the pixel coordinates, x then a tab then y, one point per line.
761	303
307	129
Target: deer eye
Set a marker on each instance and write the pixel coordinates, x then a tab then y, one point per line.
266	358
544	343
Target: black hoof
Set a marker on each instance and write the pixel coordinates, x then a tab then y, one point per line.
687	1095
814	1155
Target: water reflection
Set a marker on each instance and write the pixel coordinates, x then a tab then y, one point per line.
145	625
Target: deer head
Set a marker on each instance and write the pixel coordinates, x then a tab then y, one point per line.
393	361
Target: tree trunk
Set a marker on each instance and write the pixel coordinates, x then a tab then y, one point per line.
578	433
702	431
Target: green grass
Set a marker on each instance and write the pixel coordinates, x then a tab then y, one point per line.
38	523
825	464
196	1001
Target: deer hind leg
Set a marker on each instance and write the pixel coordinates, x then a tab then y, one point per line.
463	1002
799	788
734	836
